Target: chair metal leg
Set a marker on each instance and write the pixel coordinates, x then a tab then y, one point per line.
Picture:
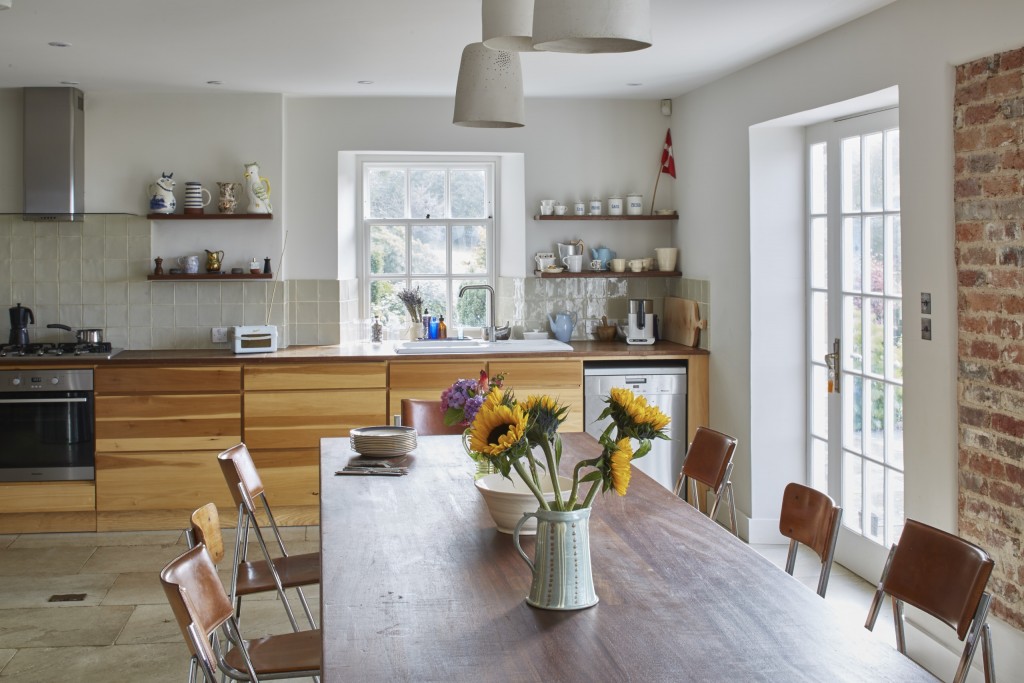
897	618
979	631
876	602
830	553
791	557
987	657
732	509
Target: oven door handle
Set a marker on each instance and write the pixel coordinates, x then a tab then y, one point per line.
45	400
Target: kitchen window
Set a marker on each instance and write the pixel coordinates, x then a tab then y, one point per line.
428	225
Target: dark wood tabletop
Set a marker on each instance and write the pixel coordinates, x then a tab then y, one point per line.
418	585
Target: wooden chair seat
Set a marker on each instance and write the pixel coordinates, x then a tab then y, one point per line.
289	653
295	570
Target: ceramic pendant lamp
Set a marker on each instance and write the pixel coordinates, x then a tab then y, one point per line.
508	25
590	26
489	93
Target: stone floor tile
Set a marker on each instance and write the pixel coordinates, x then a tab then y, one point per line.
6	656
7	539
159	663
135	588
48	627
30	591
266	617
150	624
43	561
137	558
103	538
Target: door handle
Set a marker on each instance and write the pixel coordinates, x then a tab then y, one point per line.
832	361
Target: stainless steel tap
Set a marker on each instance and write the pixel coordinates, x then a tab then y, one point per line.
488	332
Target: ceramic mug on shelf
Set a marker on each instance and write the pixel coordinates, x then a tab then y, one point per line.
189	264
560	209
649	263
544	259
574	263
667	258
196	197
636	264
618	265
597	264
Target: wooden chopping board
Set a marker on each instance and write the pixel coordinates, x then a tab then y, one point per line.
682	323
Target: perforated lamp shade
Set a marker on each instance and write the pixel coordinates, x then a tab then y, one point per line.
490	89
508	25
589	26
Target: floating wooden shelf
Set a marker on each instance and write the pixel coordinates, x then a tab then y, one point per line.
211	276
208	216
609	274
606	217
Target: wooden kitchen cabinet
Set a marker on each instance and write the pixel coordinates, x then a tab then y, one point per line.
158	432
44	506
289	407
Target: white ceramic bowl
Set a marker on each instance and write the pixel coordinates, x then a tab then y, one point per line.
509	499
535	335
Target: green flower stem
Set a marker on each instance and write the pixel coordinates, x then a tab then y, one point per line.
553	472
530	483
533	464
576	480
589	500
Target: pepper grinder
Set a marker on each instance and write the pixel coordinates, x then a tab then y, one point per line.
266	266
159	269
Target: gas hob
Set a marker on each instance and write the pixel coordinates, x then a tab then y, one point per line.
57	351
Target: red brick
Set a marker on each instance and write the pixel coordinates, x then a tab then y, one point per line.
1006	279
970	93
971	278
1006	494
1005	424
1011	256
974	324
967	187
980	395
968	140
1004	328
977	256
959	165
1014	59
981	113
1004	84
1013	304
1012	353
1009	448
1000	134
969	232
981	66
975	301
987	467
1002	232
1009	378
984	350
1014	475
976	417
985	162
1012	160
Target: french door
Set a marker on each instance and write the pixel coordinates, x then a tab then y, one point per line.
855	335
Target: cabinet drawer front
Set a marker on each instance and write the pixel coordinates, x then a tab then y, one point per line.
160	481
316	376
435	375
299	419
539	373
208	422
193	378
290	477
51	496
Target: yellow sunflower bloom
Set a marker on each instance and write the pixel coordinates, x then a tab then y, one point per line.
619	466
654	418
497	427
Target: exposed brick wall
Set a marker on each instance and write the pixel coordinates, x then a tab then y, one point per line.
989	196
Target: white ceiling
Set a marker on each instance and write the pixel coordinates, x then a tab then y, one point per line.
406	47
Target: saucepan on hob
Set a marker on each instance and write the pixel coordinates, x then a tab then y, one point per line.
86	336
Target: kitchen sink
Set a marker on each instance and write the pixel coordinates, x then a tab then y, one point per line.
440	346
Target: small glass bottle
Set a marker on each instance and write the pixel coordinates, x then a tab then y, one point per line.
434	327
442	329
426	324
376	331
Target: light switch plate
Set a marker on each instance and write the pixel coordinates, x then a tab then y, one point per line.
926	303
926	329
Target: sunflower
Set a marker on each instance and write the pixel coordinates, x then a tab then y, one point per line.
497	427
619	467
546	415
634	415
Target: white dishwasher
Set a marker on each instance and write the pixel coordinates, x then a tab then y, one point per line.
664	386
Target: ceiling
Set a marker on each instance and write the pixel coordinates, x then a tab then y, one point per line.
405	47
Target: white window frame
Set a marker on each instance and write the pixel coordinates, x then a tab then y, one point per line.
492	166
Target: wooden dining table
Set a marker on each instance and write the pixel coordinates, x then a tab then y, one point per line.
418	585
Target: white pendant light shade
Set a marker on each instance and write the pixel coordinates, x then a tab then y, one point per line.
490	89
589	26
508	25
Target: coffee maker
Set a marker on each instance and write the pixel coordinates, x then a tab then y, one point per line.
21	318
640	322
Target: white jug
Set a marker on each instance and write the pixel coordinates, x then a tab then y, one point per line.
161	194
257	188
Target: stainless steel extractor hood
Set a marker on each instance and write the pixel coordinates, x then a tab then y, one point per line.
54	155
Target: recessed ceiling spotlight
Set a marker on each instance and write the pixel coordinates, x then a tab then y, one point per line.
69	82
365	82
58	43
214	82
633	85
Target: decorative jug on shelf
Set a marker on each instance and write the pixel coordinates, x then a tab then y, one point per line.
562	324
228	196
603	254
213	261
257	188
161	194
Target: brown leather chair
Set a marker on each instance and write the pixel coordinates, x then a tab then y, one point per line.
426	417
708	461
945	576
287	570
202	610
251	577
812	518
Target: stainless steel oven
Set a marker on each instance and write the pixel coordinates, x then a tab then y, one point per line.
46	425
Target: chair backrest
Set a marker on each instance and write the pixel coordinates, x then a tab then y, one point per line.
810	517
708	457
197	599
426	417
940	573
206	530
241	474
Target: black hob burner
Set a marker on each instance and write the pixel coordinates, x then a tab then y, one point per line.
70	349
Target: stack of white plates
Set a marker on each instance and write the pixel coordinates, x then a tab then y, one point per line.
384	441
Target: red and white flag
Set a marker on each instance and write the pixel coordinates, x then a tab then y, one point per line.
668	162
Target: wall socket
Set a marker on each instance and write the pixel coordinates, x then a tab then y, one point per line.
926	328
219	335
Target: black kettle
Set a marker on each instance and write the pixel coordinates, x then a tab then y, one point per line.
21	318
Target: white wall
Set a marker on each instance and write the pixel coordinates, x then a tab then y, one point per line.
912	44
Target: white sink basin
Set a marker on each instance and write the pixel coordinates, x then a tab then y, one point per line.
440	346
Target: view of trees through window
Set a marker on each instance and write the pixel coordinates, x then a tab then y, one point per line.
428	227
